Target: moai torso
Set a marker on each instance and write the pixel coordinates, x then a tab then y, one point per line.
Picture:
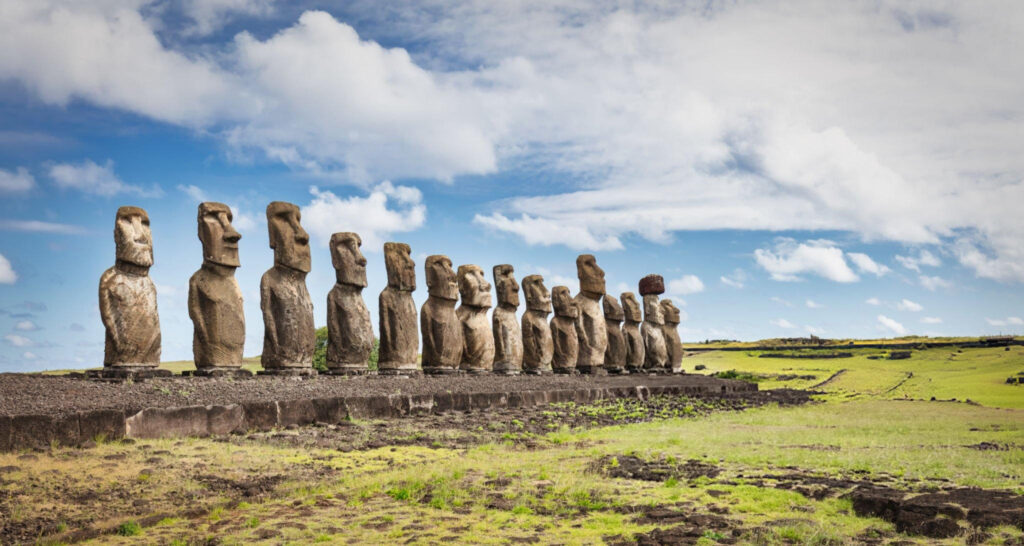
214	297
590	327
673	343
349	330
563	331
441	329
538	345
399	341
477	338
508	337
128	296
655	349
289	337
615	354
631	332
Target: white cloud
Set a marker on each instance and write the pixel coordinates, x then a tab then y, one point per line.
7	274
813	330
25	326
90	177
242	221
194	192
18	181
907	305
781	301
687	284
934	283
40	227
29	355
873	301
995	322
546	232
561	280
865	264
736	280
923	258
1015	321
811	304
789	260
385	210
18	341
932	320
210	15
782	323
892	325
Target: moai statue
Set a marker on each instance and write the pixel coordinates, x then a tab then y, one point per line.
631	333
538	346
655	350
615	354
398	340
441	329
590	326
508	338
563	331
289	337
128	299
477	339
214	298
349	330
672	341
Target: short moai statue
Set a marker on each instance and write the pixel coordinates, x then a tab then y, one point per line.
590	327
655	349
289	338
673	344
563	331
631	333
508	337
214	297
538	346
440	326
399	341
477	339
349	330
128	301
615	354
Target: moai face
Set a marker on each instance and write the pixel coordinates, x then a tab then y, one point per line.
349	263
473	287
670	312
132	236
508	288
441	281
537	296
612	310
652	310
631	307
562	301
289	241
590	274
219	238
401	268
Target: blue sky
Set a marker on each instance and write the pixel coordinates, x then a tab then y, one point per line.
852	171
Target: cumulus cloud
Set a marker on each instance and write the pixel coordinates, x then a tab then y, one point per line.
29	355
17	181
865	264
90	177
7	274
546	232
811	304
782	323
210	15
873	301
736	280
934	283
788	260
687	284
194	192
1016	321
385	210
907	305
18	341
932	320
923	258
995	322
25	326
892	325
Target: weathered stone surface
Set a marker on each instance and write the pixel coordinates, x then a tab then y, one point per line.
106	424
508	337
590	327
563	331
289	337
615	354
538	345
477	338
214	297
399	341
440	326
655	349
128	296
349	330
673	343
652	284
631	332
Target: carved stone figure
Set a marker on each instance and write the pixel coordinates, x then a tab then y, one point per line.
563	331
655	349
672	341
615	354
441	329
349	330
538	346
214	298
590	326
478	341
128	296
399	341
631	333
508	338
289	337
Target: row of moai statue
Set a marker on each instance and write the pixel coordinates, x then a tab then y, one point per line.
590	333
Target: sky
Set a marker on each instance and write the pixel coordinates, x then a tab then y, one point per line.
847	170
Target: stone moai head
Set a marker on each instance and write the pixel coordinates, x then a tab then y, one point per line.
219	238
612	310
289	241
401	268
348	261
563	302
132	236
473	287
507	287
537	296
441	281
670	312
630	308
590	274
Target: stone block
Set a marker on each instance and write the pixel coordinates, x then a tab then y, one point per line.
168	422
330	410
225	419
652	284
260	415
421	404
368	407
5	434
296	412
108	424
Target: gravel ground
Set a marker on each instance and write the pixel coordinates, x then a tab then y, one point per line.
56	395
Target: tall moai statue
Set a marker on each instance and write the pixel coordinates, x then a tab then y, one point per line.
615	354
441	329
508	337
399	341
289	338
631	332
349	330
672	341
538	346
590	327
214	298
477	339
563	331
128	300
655	349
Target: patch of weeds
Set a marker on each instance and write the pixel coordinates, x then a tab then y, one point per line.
252	522
522	510
129	529
671	482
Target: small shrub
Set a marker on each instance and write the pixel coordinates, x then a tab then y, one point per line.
129	529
